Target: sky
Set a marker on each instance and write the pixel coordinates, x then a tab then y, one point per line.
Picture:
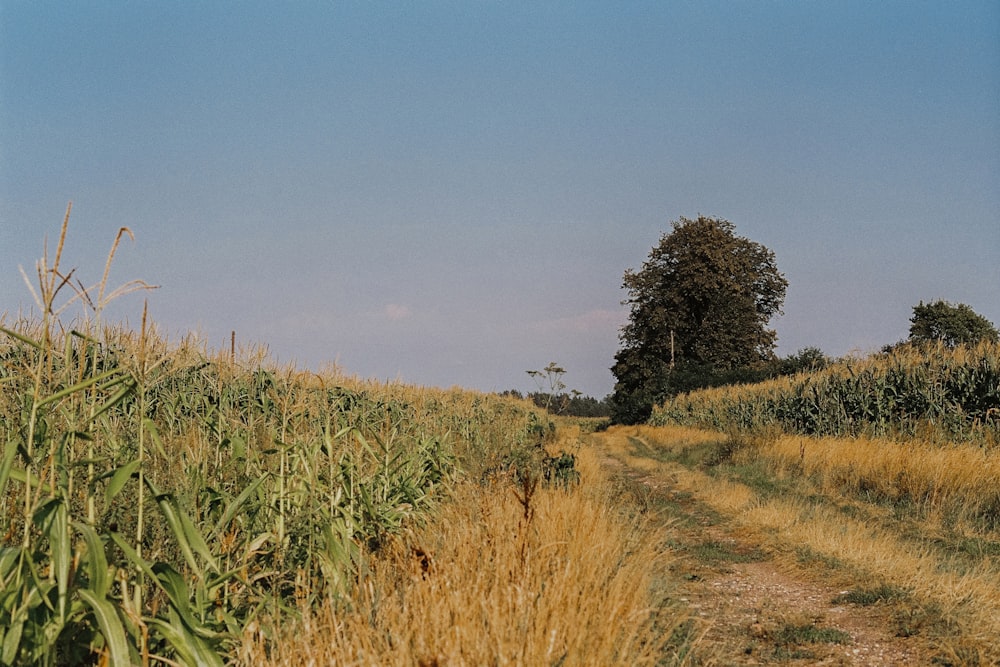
449	193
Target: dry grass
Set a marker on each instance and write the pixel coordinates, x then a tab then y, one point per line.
964	594
958	481
967	598
482	584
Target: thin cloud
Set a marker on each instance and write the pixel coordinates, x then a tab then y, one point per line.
592	321
395	311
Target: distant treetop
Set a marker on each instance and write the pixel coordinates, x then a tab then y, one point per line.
950	324
699	307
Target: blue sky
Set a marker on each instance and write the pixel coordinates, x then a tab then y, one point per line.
449	192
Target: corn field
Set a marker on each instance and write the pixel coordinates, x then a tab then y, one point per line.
934	392
156	498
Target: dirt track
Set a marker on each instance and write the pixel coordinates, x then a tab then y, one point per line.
756	608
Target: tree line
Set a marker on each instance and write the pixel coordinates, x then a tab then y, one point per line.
569	404
699	310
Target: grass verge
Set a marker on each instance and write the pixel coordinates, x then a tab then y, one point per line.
555	578
952	597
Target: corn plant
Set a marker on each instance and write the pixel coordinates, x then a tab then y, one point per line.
157	498
943	393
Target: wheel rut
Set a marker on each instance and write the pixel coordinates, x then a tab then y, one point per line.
754	604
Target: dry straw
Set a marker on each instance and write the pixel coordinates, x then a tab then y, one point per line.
480	585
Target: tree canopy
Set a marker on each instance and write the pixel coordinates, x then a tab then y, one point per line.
952	325
699	307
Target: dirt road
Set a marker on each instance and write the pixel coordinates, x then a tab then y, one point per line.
755	604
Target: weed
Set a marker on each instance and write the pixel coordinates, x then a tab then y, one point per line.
920	619
809	633
501	591
561	470
725	552
868	596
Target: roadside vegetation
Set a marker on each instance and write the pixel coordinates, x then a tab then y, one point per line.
930	392
930	571
878	472
162	503
882	473
530	575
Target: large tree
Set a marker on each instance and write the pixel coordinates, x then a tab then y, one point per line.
952	325
700	306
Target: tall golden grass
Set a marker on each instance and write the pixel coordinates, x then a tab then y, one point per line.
561	579
952	490
961	481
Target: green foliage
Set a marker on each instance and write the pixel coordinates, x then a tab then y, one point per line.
952	325
560	470
806	360
713	551
636	406
953	394
808	633
868	596
699	307
568	405
551	397
156	499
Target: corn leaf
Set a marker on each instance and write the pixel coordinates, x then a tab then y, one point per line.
23	339
111	627
59	542
119	478
9	452
12	642
24	475
171	512
96	561
150	426
133	556
114	400
192	650
76	387
236	505
176	588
